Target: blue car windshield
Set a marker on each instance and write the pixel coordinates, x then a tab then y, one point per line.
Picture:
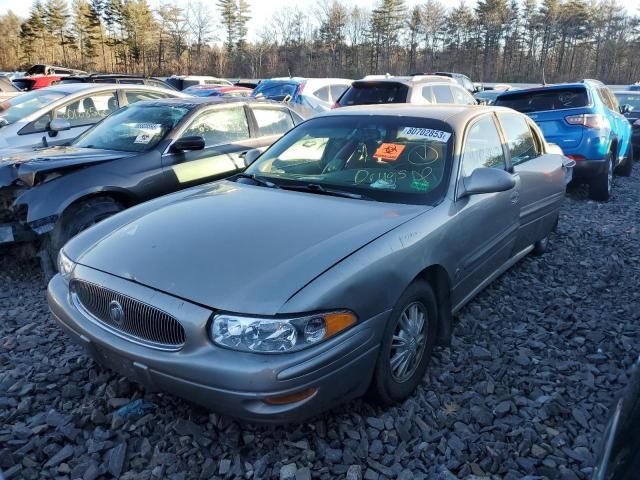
391	159
275	90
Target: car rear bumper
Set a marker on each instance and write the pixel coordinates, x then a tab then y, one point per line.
229	382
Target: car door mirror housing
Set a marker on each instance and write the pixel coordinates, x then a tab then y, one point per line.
188	144
251	156
59	125
487	180
626	108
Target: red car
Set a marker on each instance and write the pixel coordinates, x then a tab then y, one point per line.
27	84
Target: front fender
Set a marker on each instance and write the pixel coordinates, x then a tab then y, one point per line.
371	280
50	200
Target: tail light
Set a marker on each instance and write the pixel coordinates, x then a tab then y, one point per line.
577	158
587	120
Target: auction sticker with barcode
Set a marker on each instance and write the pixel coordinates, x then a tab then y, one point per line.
415	132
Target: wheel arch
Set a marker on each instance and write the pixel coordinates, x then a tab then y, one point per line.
438	278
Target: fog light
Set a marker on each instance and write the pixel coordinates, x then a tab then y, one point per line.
292	398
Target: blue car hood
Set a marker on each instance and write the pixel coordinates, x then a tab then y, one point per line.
235	247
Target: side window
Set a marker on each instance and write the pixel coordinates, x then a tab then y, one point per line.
223	125
427	93
612	100
606	99
519	138
337	90
89	110
272	121
462	97
482	147
39	125
442	94
134	96
322	94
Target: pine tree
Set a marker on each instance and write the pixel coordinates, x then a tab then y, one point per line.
228	12
56	21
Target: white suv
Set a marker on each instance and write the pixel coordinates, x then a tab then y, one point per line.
417	89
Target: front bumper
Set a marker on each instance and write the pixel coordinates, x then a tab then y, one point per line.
229	382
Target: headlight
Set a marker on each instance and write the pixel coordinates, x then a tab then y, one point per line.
637	123
277	335
65	266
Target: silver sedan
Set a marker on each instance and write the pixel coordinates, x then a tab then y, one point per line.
332	265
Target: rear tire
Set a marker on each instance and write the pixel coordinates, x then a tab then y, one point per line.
600	187
75	219
407	344
625	168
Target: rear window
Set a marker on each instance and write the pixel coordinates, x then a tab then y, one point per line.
538	101
275	90
373	93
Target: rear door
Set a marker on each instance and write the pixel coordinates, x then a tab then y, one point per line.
225	130
485	227
549	108
541	179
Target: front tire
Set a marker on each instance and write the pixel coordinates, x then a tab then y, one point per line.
75	219
407	344
625	168
600	187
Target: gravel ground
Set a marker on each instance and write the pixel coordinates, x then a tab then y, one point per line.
524	391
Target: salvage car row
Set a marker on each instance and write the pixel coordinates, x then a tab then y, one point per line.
331	258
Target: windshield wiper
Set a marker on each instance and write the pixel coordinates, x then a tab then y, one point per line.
316	188
258	180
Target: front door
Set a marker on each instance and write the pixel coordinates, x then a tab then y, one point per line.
225	130
485	226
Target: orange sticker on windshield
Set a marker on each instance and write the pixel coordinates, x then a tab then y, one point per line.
389	151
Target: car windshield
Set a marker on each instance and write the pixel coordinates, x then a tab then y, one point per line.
370	93
539	101
391	159
632	99
136	128
275	90
19	107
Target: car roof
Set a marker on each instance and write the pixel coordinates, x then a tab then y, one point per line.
543	88
196	101
408	79
455	115
80	87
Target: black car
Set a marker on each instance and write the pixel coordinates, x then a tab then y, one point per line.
619	457
116	78
631	98
139	152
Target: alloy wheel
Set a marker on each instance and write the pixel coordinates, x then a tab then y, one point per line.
408	342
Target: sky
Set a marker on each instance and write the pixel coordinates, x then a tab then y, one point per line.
262	10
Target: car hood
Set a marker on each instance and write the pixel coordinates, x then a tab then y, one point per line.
28	163
238	247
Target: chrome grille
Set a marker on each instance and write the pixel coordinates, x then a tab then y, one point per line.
128	316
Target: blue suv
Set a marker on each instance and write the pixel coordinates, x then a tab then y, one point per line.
585	120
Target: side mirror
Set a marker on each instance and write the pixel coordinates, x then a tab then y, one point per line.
188	144
251	156
487	180
554	149
626	108
482	101
59	125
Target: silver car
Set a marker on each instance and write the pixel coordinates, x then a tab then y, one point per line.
331	266
58	114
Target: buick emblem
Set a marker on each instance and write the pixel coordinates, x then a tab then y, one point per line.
116	312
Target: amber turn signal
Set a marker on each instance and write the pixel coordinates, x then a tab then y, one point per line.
337	322
292	398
